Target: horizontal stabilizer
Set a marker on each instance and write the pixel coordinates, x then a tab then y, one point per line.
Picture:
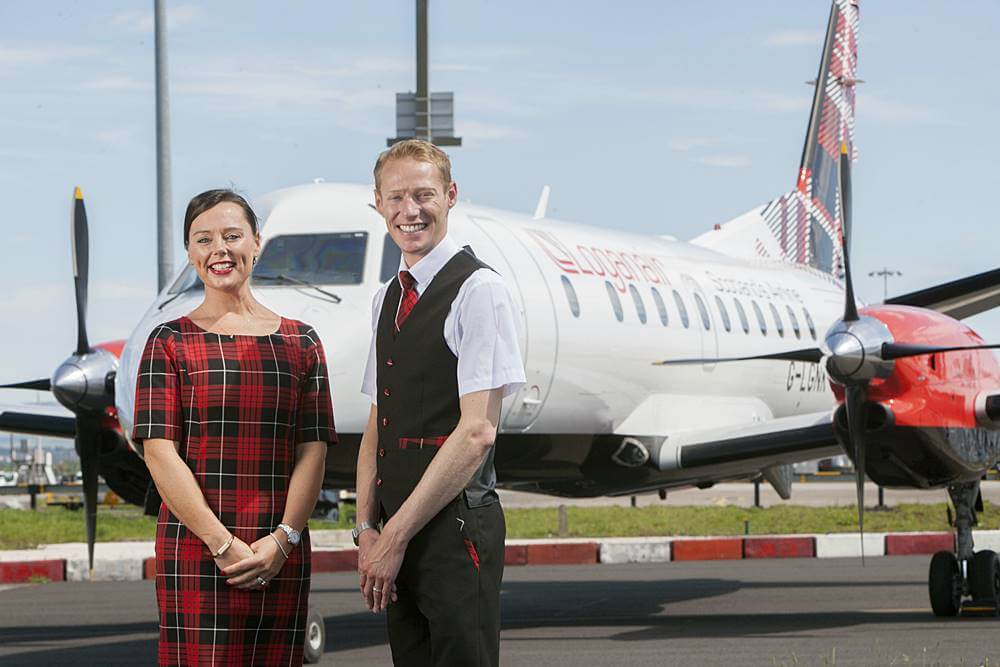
960	298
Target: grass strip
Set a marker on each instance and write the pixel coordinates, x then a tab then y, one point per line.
24	529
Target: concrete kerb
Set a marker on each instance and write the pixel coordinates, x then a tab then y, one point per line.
127	561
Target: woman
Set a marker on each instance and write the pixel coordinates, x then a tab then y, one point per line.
233	405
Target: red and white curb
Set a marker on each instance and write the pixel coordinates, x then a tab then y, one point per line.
136	562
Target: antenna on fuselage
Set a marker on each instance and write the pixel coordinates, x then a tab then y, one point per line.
424	115
543	203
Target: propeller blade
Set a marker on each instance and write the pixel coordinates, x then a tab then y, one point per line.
81	269
87	433
850	307
809	354
39	385
854	403
903	350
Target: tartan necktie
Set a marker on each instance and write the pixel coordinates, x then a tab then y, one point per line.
409	298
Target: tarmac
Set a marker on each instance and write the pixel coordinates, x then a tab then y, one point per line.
707	613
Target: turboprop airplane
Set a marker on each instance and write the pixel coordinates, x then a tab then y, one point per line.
751	384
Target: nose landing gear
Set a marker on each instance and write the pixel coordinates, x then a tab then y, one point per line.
974	575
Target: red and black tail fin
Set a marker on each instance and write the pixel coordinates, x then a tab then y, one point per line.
806	221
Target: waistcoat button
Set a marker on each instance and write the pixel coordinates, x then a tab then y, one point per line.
385	421
378	482
387	392
389	362
381	452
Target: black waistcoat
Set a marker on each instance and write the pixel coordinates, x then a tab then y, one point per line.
417	385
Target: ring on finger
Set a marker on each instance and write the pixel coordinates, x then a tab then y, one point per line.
376	589
262	581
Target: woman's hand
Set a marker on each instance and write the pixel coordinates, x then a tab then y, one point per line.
264	561
236	552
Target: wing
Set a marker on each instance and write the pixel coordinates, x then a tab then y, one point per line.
43	419
751	447
958	299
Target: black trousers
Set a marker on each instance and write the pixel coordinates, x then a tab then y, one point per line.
448	611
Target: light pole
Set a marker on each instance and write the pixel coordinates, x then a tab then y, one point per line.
885	273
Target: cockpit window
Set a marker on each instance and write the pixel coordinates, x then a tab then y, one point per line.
188	280
320	259
390	259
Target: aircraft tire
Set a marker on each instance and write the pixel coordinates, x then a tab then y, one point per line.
984	577
315	641
945	584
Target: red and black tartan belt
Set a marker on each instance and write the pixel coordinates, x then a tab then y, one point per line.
420	443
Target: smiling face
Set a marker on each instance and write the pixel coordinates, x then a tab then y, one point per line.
414	201
222	247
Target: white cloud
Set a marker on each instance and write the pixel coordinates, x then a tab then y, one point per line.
687	144
873	106
457	67
118	83
41	54
481	131
783	103
726	161
795	38
142	21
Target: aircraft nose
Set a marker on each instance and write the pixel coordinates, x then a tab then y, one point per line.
847	355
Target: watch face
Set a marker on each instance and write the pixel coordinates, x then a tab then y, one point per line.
293	537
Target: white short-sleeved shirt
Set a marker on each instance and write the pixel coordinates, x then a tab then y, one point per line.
480	328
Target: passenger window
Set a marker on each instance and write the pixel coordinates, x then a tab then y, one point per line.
743	315
682	309
616	303
760	317
724	314
640	307
574	303
809	323
795	322
661	307
703	311
778	324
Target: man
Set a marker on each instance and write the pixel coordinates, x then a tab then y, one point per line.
444	354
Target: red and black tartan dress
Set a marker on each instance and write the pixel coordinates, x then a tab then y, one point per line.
238	405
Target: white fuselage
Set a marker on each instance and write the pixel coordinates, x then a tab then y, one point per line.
590	366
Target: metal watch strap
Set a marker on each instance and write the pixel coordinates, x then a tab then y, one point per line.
289	531
360	528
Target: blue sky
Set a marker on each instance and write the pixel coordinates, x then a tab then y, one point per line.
653	117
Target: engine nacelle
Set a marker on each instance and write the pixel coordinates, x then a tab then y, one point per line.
988	410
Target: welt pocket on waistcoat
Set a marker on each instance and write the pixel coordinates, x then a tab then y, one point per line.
420	443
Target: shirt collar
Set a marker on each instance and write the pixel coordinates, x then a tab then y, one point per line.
428	266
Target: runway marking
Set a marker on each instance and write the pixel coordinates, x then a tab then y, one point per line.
897	611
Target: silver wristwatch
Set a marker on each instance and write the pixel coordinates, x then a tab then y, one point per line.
294	536
358	529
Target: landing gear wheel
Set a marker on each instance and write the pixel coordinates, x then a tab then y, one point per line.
984	578
315	642
945	584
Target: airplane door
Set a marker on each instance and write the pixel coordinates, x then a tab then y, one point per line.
539	330
703	311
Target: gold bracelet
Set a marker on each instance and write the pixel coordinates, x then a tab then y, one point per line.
280	548
225	546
